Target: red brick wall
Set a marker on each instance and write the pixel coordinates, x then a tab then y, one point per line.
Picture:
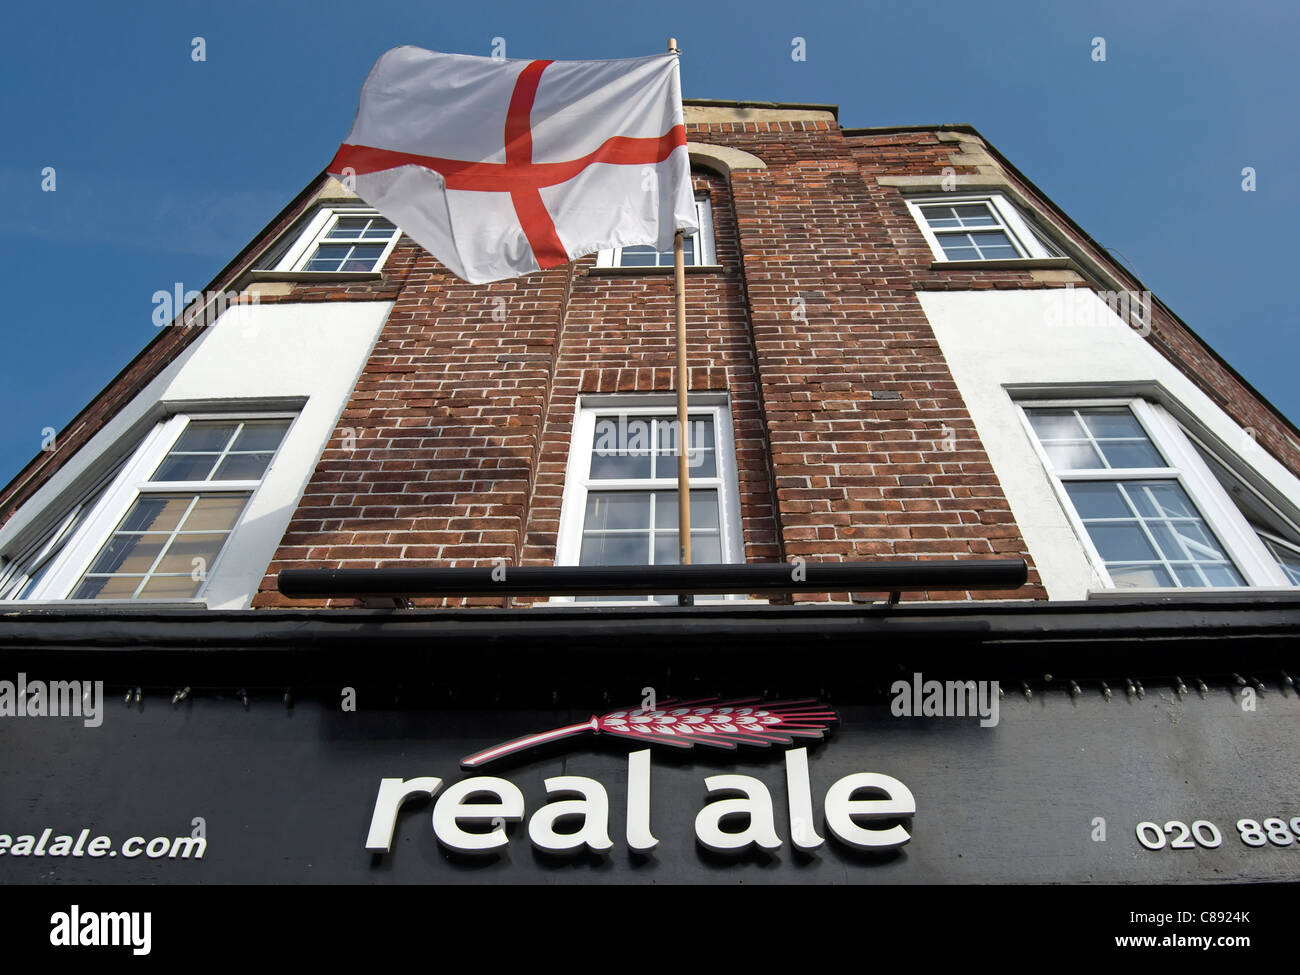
852	440
841	409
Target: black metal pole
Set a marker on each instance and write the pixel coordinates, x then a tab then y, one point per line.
629	580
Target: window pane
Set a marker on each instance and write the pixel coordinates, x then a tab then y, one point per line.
617	511
994	245
958	249
1287	559
1098	500
217	512
1073	456
185	467
959	215
1056	424
1161	499
639	256
206	436
704	510
242	467
106	587
705	549
1118	424
184	549
621	448
627	548
1132	453
1121	542
129	554
261	435
1140	577
171	587
155	512
974	215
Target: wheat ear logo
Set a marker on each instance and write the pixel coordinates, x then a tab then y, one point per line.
684	724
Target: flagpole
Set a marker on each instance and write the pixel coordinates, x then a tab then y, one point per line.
683	384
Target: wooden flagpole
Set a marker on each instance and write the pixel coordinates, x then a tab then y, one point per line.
683	384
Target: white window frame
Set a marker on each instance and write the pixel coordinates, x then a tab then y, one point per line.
130	483
577	482
1240	540
705	255
297	256
1031	244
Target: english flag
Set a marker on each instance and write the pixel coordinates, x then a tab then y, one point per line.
501	167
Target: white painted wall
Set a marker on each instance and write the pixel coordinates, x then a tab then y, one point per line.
1066	336
312	351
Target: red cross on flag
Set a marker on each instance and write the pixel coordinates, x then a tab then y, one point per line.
501	167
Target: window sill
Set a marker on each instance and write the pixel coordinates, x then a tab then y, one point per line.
144	604
315	276
1193	592
1018	264
690	269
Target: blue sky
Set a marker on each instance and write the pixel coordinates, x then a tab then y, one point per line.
166	167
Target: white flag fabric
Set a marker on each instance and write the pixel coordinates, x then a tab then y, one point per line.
501	167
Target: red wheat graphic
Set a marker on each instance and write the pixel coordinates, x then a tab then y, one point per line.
683	724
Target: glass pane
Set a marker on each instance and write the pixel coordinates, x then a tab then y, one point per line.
1140	577
155	512
621	448
639	256
704	510
700	429
620	466
1194	542
994	245
974	215
629	548
1288	560
170	587
363	257
186	548
958	249
1161	499
348	226
242	467
1073	456
1056	424
1121	542
1222	575
261	435
107	587
617	510
185	467
705	549
1138	453
216	512
1097	500
201	436
128	553
1118	424
940	216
